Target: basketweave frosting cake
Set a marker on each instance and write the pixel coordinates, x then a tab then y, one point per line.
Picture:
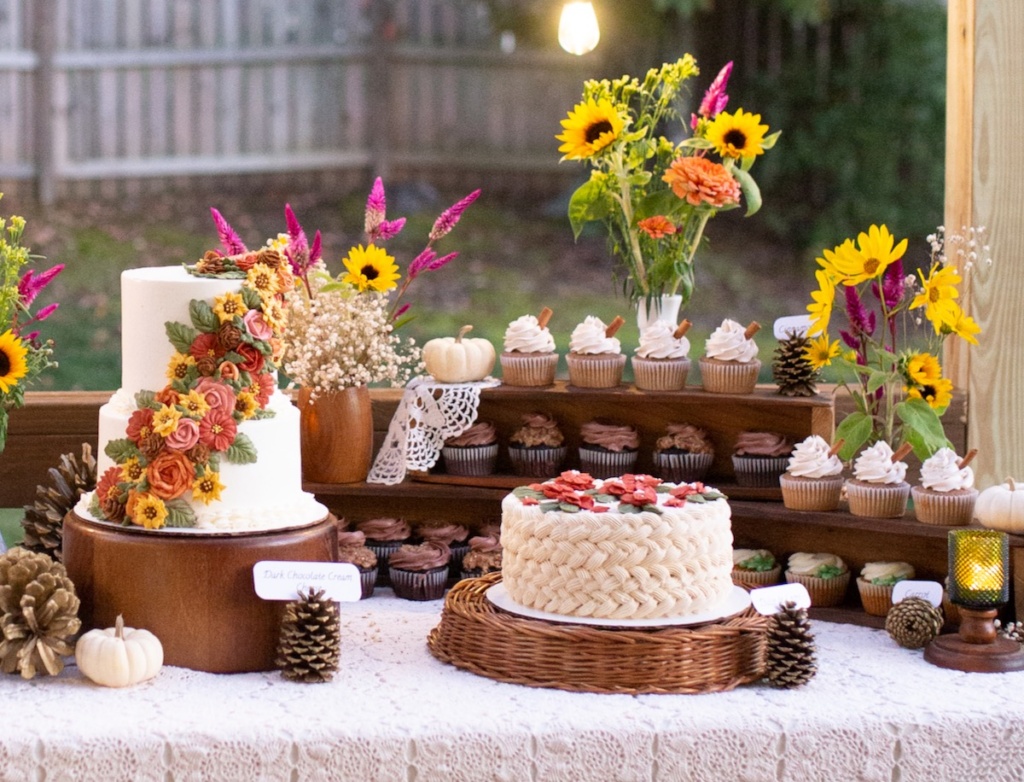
198	436
624	548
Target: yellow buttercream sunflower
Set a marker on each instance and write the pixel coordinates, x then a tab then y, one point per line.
875	251
229	306
207	487
589	129
13	366
149	511
371	268
737	135
165	420
820	351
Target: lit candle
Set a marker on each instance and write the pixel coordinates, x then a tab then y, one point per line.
578	32
978	563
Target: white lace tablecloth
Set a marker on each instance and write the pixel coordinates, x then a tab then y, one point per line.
875	712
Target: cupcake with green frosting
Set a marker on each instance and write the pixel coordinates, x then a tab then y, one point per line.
825	576
754	567
876	582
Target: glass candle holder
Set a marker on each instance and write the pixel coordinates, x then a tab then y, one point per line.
979	567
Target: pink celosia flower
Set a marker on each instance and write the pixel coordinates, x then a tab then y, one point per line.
299	253
230	240
447	220
376	207
715	98
31	284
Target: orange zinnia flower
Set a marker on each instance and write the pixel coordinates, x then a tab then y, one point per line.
702	181
657	227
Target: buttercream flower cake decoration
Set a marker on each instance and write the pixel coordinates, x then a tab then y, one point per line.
223	372
574	491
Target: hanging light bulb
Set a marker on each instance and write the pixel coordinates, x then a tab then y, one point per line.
578	32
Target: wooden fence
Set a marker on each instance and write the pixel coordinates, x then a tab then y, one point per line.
95	91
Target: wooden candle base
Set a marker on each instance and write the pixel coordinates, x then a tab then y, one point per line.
194	592
976	648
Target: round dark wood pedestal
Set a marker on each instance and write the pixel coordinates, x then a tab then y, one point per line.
194	592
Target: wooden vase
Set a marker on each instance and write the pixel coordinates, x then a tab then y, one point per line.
336	435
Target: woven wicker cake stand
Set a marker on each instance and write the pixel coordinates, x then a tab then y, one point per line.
194	592
477	636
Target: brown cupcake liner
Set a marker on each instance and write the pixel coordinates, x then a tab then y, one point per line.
824	592
756	578
528	369
419	584
470	459
729	377
682	467
539	462
818	494
603	464
367	581
950	509
602	370
383	550
876	598
882	500
660	374
759	471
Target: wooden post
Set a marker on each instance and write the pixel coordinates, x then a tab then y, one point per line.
44	33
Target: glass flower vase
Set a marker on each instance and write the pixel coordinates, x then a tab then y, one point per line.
665	307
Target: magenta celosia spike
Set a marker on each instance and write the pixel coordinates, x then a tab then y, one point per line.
45	312
715	98
856	313
450	216
420	262
31	284
295	233
892	285
401	311
849	339
437	263
315	248
388	229
376	207
230	240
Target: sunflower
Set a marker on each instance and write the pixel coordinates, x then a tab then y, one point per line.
589	128
923	369
820	308
874	252
207	487
13	366
820	352
371	268
938	395
737	135
229	306
940	284
165	420
148	511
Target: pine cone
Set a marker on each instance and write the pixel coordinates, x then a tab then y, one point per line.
791	659
44	519
791	370
38	613
310	642
913	622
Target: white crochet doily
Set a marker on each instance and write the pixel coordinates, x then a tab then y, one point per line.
429	413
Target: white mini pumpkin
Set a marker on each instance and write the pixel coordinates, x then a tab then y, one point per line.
119	656
1002	507
459	360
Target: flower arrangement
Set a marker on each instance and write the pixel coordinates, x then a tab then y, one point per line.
23	357
223	372
341	329
573	491
899	391
654	195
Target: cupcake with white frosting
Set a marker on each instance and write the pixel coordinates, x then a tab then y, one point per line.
814	477
754	567
876	582
595	355
661	362
528	357
946	494
730	364
878	487
825	576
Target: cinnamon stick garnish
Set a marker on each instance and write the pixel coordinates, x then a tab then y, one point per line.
968	458
681	329
544	317
614	326
752	329
836	446
902	452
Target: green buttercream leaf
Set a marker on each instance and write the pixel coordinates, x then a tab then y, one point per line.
241	451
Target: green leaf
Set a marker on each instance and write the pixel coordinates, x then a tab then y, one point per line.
121	450
660	202
241	451
252	299
568	507
180	335
146	398
751	192
922	427
855	430
589	202
876	380
203	317
4	416
770	139
179	514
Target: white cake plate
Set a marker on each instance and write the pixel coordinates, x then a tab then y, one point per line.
737	600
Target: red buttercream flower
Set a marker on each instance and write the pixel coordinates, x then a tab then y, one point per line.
140	425
206	346
529	501
217	429
252	359
109	494
578	480
263	386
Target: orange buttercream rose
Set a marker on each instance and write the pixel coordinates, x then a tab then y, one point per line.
170	474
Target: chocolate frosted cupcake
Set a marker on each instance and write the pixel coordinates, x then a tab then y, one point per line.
730	364
352	548
878	487
754	567
684	454
876	582
946	495
608	450
537	448
814	478
420	572
825	576
760	458
384	535
452	535
595	356
483	557
529	357
662	362
473	452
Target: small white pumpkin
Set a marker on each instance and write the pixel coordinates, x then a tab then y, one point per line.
459	360
1002	507
119	656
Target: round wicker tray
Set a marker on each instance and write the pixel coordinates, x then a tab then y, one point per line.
475	635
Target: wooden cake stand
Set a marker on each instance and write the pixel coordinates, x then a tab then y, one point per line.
194	592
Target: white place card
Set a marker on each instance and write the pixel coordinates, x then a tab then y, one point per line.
768	600
797	323
275	580
929	590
